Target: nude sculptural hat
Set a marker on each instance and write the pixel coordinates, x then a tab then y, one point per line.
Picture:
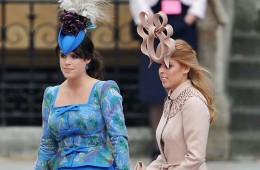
156	26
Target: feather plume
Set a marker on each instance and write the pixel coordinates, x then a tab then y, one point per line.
91	9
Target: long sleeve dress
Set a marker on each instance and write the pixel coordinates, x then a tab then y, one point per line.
76	135
183	131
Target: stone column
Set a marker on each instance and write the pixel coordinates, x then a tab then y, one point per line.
214	52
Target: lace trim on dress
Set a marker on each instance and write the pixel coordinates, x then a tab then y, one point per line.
172	107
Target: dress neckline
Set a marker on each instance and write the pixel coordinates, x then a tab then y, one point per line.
79	104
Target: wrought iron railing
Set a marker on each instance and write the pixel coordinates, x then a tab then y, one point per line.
28	64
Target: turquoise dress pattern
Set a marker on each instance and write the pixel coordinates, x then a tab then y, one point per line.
88	136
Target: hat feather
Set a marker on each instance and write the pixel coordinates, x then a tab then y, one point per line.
92	9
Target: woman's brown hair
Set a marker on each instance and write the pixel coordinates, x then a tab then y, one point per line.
185	55
86	51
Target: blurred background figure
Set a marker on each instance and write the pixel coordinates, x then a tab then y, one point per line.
183	16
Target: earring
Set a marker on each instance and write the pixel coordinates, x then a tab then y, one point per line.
87	67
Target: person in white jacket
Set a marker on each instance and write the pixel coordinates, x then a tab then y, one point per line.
191	10
196	8
183	16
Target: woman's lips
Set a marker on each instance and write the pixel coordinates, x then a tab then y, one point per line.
164	78
67	69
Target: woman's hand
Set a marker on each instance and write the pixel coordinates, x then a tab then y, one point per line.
190	19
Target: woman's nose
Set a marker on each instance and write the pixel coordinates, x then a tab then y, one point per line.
67	60
161	69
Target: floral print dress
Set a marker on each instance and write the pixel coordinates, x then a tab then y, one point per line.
77	135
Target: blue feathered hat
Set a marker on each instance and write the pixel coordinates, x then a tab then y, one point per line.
77	17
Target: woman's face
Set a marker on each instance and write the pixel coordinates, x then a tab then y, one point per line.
72	66
173	76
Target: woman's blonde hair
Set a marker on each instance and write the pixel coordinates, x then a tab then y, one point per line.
185	55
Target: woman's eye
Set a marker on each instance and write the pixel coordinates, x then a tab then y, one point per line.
75	56
62	55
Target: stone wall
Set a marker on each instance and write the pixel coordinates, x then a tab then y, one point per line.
244	82
214	50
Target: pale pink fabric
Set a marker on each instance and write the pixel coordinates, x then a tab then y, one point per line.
171	7
155	29
182	132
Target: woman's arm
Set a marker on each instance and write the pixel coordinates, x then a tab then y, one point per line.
111	105
136	6
48	145
196	121
197	8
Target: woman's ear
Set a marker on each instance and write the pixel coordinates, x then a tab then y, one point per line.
88	61
186	69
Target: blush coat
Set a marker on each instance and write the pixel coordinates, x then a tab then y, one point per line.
182	132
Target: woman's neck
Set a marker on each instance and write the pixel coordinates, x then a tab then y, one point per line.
79	82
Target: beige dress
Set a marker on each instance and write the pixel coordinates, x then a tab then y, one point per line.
182	132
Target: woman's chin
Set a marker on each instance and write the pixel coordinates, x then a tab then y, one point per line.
68	76
165	85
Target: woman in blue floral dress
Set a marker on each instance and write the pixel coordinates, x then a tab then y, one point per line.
83	121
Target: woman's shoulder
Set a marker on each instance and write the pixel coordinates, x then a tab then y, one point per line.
196	103
195	100
108	84
189	97
107	87
50	92
50	89
191	93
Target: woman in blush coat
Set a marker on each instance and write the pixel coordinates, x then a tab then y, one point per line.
189	108
183	15
182	132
